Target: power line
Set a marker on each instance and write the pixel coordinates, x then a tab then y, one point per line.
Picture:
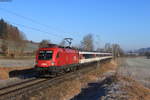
29	19
36	29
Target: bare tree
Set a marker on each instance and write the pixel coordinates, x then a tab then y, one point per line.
117	51
108	47
100	50
19	44
87	43
3	26
4	47
44	43
22	43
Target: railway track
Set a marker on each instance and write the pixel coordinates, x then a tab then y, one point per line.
26	88
10	92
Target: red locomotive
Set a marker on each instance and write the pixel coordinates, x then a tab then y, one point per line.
55	58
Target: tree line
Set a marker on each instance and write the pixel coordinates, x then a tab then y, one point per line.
13	40
87	44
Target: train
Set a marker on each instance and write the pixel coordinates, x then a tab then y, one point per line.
55	59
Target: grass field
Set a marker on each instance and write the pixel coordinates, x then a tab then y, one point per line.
137	68
17	62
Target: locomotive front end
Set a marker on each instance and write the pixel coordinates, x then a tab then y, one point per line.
45	61
44	58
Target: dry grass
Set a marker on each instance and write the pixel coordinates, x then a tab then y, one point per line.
129	89
133	89
70	88
137	68
62	91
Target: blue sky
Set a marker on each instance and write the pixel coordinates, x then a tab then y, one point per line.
126	22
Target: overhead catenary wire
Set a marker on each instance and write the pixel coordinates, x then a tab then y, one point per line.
36	29
29	19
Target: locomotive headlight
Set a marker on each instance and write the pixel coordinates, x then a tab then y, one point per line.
52	63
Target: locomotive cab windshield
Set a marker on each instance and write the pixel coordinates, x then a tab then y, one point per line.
45	55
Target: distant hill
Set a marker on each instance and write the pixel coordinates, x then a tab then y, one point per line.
143	50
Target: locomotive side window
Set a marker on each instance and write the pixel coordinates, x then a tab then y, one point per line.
58	54
45	55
